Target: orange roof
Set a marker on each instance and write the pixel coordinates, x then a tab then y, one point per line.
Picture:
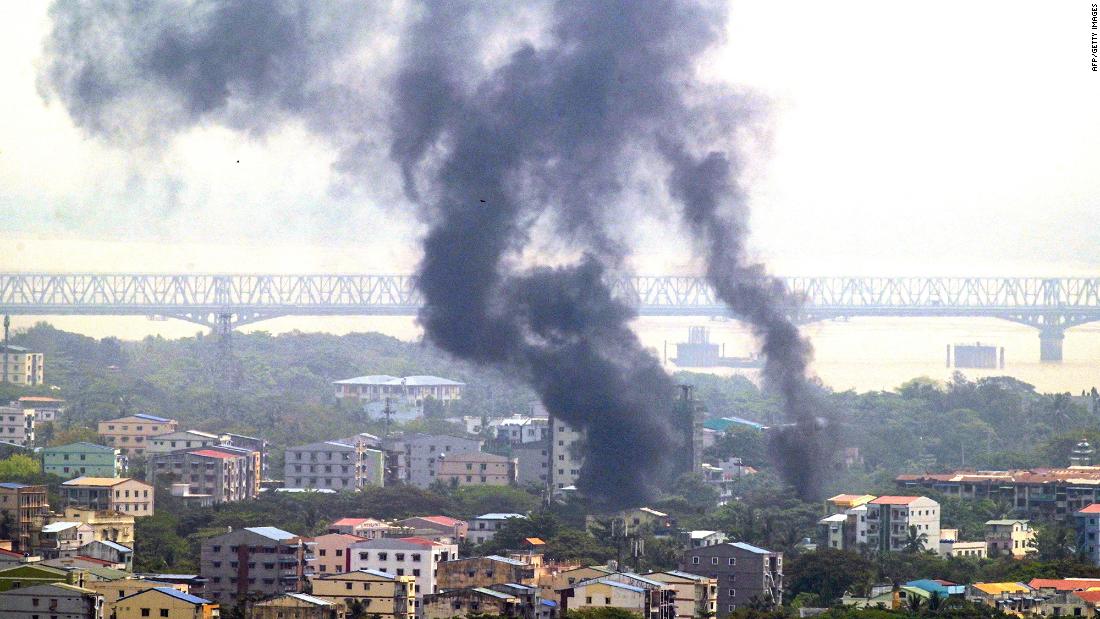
534	541
420	541
350	522
1091	596
39	398
442	520
1063	584
1091	509
210	453
894	500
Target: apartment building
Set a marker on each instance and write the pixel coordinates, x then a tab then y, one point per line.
295	606
418	455
647	598
119	494
110	526
182	439
889	519
696	596
62	539
263	560
744	573
122	557
167	602
483	572
533	463
476	469
1012	537
387	596
412	389
44	408
26	507
82	459
404	556
251	443
21	366
51	600
846	525
1037	494
471	603
436	528
485	527
16	425
566	458
520	429
225	474
365	528
333	465
331	551
131	434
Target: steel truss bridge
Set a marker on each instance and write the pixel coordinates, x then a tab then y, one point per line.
224	301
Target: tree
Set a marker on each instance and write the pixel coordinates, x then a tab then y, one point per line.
19	466
602	612
828	573
915	541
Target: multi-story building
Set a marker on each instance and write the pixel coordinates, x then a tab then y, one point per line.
533	463
365	528
25	506
263	560
51	600
845	526
166	602
333	465
331	551
520	429
82	459
890	519
295	606
251	443
370	388
436	528
744	573
483	572
566	458
121	556
1012	537
182	439
1087	521
225	474
696	596
421	455
131	434
44	408
119	494
648	598
404	556
381	594
62	539
485	526
476	469
114	590
471	603
106	525
1037	494
412	389
20	366
16	425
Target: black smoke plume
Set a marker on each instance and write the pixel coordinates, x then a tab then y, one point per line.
490	137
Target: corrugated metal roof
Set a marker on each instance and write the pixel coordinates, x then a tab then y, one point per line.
180	595
149	417
503	560
497	594
272	533
499	516
373	379
749	547
310	599
114	545
57	527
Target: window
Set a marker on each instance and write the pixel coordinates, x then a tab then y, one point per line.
400	556
363	556
733	561
733	593
695	560
145	612
714	560
322	552
382	556
164	612
588	600
416	556
348	586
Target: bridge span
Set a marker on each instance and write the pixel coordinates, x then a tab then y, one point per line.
224	301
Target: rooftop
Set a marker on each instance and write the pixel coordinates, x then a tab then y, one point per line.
57	527
210	453
114	545
82	445
425	381
373	379
446	521
180	595
148	417
1091	509
894	500
749	547
11	485
1084	475
1008	522
104	482
1064	584
997	588
271	533
497	594
499	516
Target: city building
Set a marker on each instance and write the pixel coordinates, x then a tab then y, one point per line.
296	606
519	429
333	465
404	556
62	539
566	458
890	519
250	443
1087	522
131	434
700	538
649	598
107	525
119	494
114	590
478	601
331	551
387	596
25	506
51	600
412	389
485	526
696	596
9	558
632	520
23	576
21	366
476	469
1037	494
436	528
744	573
1009	537
846	525
263	560
418	455
44	408
122	557
365	528
483	572
226	474
16	426
182	439
162	602
951	546
365	388
82	459
533	463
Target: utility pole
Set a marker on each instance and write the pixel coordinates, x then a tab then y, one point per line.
388	412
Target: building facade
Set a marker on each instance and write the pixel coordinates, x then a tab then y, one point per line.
387	596
1014	538
436	528
566	458
483	572
131	434
106	525
162	602
744	573
26	506
696	596
118	494
418	455
890	519
476	469
82	459
331	551
21	366
51	600
1037	494
226	474
332	465
296	606
404	556
183	439
533	463
263	560
16	425
485	527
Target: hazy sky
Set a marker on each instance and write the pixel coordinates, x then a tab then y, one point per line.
939	138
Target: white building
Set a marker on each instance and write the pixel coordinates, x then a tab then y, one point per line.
889	519
16	425
184	439
485	527
411	389
419	455
403	556
520	429
565	456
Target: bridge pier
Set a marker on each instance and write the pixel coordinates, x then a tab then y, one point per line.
1050	343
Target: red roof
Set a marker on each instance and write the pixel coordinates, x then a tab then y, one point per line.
1064	584
210	453
441	520
9	553
1091	509
419	541
102	562
39	398
1092	597
350	522
894	500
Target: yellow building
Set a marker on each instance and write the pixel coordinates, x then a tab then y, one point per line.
131	434
476	469
162	602
696	596
378	593
1015	538
567	578
21	366
107	526
631	520
841	502
120	494
606	593
115	590
296	606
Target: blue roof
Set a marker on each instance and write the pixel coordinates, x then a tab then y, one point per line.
149	417
550	603
932	586
180	595
615	583
749	547
11	485
271	533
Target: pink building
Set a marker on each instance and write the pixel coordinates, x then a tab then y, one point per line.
331	551
366	528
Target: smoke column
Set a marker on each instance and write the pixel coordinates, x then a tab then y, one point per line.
488	145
